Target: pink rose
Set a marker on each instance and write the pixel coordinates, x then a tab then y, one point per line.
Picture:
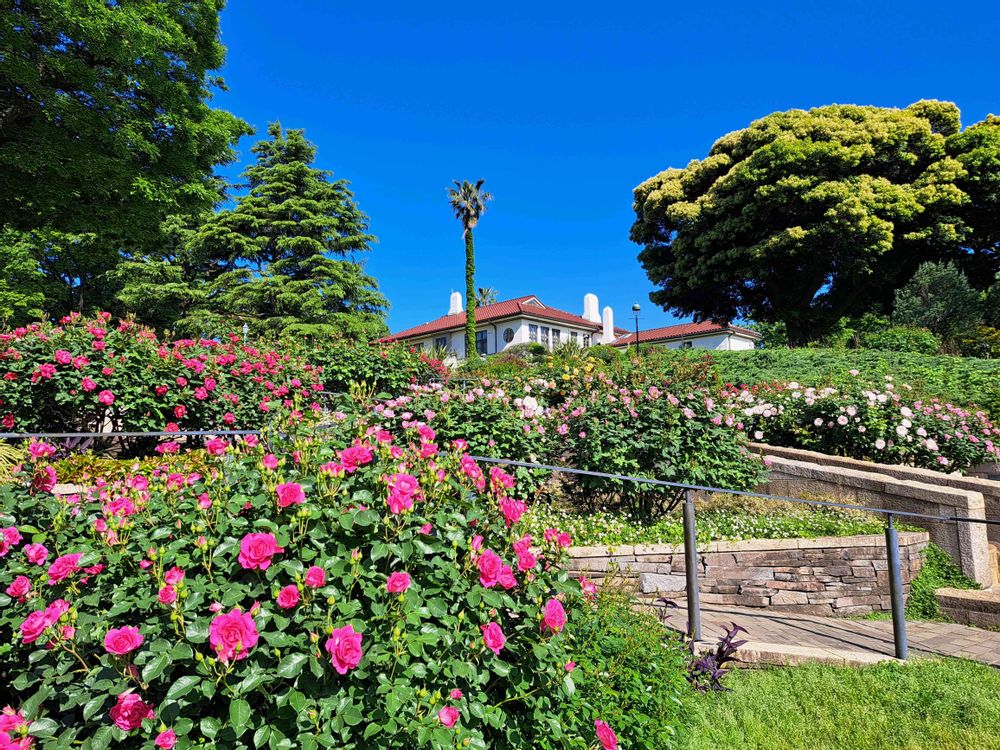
288	597
232	635
216	446
490	566
570	666
88	384
106	397
173	576
455	694
355	456
315	577
290	493
448	716
13	722
180	411
256	551
493	637
606	735
56	610
121	641
129	712
344	647
64	567
426	529
167	595
553	616
398	502
526	561
397	582
9	537
19	588
507	580
166	739
270	462
33	626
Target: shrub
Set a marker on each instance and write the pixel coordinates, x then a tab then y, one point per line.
87	375
938	571
630	673
353	592
883	425
902	339
387	368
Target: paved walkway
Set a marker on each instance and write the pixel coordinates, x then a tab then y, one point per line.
836	640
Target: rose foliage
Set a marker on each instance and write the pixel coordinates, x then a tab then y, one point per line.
341	588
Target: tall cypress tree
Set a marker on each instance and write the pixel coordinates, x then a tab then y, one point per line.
287	254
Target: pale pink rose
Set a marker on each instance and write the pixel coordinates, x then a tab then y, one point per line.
553	616
289	596
121	641
166	739
344	647
493	637
397	582
315	577
257	549
290	493
232	635
129	712
606	736
448	716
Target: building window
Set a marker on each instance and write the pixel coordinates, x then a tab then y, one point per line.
508	335
586	339
687	344
441	342
481	342
532	333
545	336
574	337
556	333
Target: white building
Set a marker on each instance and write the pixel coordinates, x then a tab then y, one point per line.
516	321
706	335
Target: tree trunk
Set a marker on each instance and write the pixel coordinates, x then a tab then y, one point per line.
470	296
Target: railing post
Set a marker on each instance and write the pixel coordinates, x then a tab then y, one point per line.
896	590
691	568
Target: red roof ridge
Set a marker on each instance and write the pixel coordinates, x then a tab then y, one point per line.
682	330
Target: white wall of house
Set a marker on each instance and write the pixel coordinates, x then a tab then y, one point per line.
521	332
721	341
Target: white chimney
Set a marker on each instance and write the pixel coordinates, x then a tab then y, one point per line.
590	308
609	326
456	303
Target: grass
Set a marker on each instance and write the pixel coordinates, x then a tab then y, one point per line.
720	518
921	705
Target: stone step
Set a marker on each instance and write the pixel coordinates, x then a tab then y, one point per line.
979	607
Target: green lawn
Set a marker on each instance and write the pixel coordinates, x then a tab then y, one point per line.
922	705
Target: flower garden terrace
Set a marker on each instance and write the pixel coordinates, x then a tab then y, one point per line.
356	591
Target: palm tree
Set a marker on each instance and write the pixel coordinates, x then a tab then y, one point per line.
485	295
468	201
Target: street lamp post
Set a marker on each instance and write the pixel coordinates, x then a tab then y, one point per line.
246	330
635	311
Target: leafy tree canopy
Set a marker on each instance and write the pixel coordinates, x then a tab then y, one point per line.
284	259
808	216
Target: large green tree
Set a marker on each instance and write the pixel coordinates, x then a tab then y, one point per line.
285	257
939	298
105	130
808	216
468	200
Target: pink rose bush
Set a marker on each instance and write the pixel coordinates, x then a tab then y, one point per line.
97	371
217	597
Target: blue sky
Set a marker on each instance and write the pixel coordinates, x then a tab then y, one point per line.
563	108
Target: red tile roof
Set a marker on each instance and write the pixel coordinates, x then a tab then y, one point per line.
682	330
517	307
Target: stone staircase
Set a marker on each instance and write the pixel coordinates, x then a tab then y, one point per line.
971	606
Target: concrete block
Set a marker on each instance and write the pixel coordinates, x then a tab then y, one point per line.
658	583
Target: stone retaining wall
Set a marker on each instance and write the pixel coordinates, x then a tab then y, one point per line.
967	543
981	483
825	576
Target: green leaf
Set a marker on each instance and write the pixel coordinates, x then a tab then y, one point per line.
210	727
101	739
43	728
291	666
154	667
239	715
182	686
260	736
30	707
93	706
